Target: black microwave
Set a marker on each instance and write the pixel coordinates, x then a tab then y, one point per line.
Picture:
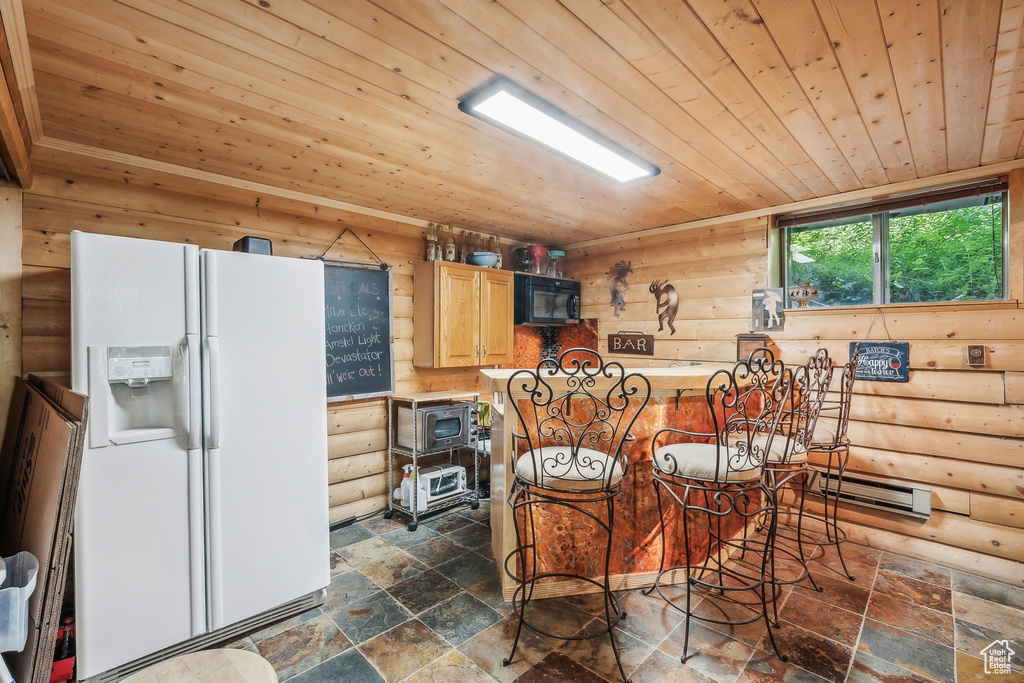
544	300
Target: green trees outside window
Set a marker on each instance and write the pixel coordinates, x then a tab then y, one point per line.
952	251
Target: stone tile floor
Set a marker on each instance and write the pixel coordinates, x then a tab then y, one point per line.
425	606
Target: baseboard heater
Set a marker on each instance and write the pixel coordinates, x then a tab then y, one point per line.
902	498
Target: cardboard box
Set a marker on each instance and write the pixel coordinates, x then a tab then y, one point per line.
39	466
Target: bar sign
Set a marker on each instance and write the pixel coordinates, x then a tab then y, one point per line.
633	343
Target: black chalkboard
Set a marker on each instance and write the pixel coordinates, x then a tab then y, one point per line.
358	327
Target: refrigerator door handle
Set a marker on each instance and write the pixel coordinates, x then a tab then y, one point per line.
195	405
99	427
213	344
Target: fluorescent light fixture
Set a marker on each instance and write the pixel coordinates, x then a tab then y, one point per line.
516	110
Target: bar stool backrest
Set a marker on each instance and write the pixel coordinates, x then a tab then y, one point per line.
577	404
746	405
811	383
839	409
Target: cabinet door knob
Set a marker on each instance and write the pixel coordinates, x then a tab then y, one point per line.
478	350
485	350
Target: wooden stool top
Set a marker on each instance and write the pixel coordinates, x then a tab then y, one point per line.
209	666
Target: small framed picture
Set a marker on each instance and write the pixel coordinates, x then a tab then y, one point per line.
766	309
746	343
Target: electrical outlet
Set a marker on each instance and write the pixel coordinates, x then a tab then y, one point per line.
976	355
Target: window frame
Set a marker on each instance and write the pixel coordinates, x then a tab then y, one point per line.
878	212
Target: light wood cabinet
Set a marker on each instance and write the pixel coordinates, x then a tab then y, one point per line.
462	315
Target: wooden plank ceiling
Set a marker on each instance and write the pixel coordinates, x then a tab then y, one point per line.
744	104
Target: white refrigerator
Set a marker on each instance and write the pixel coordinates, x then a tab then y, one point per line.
202	506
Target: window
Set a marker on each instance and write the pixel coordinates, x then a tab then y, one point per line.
944	246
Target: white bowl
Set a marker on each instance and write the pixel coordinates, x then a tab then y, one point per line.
483	258
802	293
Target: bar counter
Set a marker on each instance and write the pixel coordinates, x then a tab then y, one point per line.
677	400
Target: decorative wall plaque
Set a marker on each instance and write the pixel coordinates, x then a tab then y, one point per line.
766	312
745	343
633	343
883	361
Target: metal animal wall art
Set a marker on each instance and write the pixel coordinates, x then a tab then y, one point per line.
617	274
667	304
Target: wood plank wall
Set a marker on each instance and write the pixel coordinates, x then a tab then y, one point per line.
956	429
10	295
63	200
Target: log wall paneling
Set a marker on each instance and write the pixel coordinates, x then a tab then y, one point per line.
62	201
951	500
74	171
948	529
997	510
366	506
978	387
1015	271
953	428
10	297
1014	387
354	442
924	354
977	418
935	470
46	284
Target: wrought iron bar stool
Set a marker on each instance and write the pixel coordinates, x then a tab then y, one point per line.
787	464
570	431
829	437
722	475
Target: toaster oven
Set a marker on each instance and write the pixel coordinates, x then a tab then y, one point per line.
435	483
433	428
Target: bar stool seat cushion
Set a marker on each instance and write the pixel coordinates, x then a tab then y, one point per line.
702	461
782	451
825	431
797	455
587	471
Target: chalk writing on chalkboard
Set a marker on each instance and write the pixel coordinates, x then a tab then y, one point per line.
358	332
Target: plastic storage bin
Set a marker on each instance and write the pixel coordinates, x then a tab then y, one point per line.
15	590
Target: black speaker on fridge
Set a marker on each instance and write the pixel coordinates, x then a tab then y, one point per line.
254	245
